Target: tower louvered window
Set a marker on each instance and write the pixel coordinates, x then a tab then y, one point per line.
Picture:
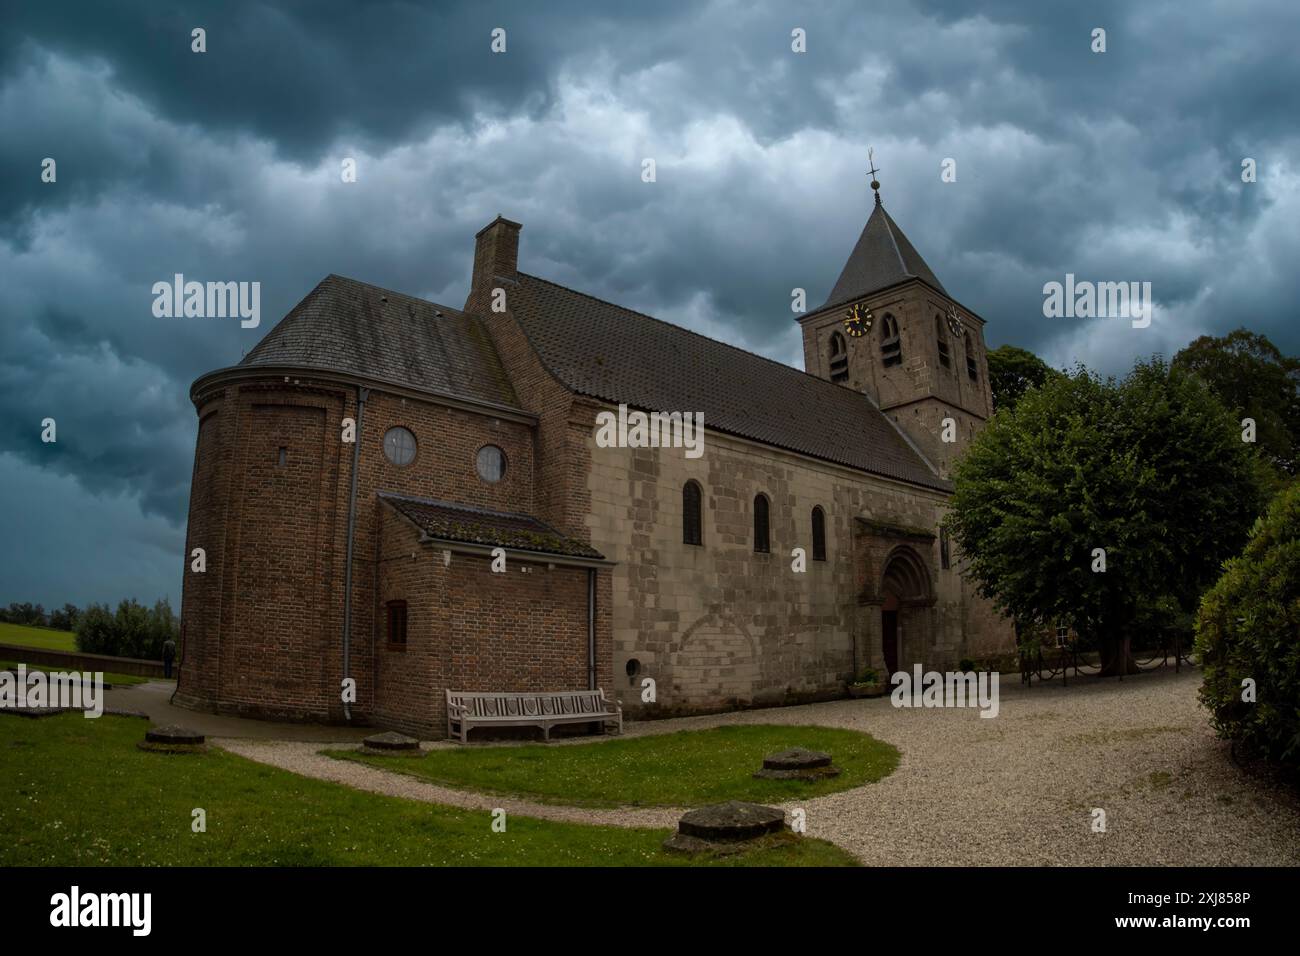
945	359
971	368
891	343
839	358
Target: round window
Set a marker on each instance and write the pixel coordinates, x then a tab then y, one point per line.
491	463
399	446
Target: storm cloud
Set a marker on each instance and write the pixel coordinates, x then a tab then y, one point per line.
224	165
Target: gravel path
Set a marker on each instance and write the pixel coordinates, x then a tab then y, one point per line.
1016	789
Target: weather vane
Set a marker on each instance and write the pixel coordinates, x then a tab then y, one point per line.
875	183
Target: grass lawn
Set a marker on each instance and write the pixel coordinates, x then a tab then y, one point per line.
117	680
688	768
37	637
77	792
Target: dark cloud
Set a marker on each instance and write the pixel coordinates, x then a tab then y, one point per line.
1122	165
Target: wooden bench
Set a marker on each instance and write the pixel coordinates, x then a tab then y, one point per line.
467	709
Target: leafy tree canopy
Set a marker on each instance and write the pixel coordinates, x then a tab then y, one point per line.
1012	371
1254	380
1151	469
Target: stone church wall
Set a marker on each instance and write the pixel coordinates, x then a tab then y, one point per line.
719	626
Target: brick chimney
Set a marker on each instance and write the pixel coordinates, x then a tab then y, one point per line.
496	261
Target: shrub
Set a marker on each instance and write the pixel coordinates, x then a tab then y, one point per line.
133	631
1249	627
96	630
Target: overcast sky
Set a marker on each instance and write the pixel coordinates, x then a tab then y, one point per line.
225	165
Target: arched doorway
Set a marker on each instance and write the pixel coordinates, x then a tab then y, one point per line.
889	632
906	596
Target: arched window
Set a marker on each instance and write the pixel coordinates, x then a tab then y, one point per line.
839	358
819	533
891	343
941	336
761	543
691	530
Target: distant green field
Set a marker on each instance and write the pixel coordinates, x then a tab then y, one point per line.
37	637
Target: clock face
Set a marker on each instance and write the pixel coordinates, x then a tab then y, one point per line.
954	323
858	320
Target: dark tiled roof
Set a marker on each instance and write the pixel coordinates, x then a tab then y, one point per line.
346	326
600	349
454	522
882	257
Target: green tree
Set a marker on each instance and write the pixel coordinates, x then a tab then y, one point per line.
160	626
96	631
1248	628
1148	475
1014	370
65	618
1254	380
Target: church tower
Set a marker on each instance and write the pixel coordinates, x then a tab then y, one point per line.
891	330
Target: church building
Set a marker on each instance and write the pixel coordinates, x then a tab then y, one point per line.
395	498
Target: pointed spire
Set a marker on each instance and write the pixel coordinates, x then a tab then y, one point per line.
882	257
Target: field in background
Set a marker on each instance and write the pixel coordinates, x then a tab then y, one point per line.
37	637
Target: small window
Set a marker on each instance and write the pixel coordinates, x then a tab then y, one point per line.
839	358
399	446
1062	635
397	623
891	343
761	543
691	531
945	359
491	463
284	457
945	551
819	534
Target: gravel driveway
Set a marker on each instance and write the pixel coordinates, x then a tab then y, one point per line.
1016	789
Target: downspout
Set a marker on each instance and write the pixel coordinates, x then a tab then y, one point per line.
591	629
362	395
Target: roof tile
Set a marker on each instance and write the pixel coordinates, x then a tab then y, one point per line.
608	352
344	325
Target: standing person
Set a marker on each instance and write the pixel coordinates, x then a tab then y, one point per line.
169	655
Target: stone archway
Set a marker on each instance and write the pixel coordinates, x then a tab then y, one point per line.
907	597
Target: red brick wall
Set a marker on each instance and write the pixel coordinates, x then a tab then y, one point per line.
263	625
564	423
201	596
471	629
